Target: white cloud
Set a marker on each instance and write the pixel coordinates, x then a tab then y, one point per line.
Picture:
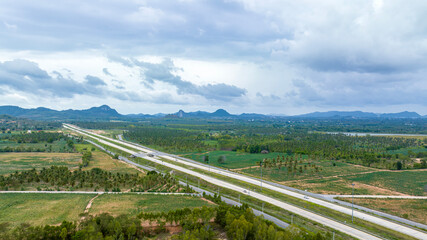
290	55
10	26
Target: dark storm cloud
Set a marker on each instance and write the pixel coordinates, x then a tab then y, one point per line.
94	81
26	76
106	72
359	89
165	72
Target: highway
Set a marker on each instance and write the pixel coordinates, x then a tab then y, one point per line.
277	221
312	216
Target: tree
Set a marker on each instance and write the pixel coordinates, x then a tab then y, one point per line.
70	143
221	159
239	228
206	159
423	163
63	234
399	165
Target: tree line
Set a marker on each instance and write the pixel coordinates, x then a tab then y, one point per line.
34	137
293	164
96	179
103	226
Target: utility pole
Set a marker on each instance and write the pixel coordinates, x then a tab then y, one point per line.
260	165
352	203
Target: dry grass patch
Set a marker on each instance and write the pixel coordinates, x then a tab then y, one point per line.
11	162
339	186
412	209
117	204
107	163
41	209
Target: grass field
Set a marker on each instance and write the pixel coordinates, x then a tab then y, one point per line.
375	183
57	146
39	209
415	210
107	163
11	162
104	161
328	170
117	204
233	159
409	182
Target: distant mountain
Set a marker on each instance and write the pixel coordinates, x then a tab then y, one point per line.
220	113
96	113
104	112
358	114
338	114
404	114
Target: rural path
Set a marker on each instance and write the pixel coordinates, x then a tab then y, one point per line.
302	212
89	205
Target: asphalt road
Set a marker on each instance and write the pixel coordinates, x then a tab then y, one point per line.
312	216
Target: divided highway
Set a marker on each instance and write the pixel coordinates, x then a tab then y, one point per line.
309	215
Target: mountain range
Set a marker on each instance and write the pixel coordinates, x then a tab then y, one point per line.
104	112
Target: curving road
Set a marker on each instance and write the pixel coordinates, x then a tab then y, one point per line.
312	216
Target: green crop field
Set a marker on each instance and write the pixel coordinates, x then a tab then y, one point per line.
328	170
233	159
40	209
11	162
409	182
117	204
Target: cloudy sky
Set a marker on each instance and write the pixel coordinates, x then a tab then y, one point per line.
270	56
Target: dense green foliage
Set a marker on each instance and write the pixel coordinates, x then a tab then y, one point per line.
374	151
373	125
9	123
168	138
102	226
237	222
87	156
34	137
60	178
